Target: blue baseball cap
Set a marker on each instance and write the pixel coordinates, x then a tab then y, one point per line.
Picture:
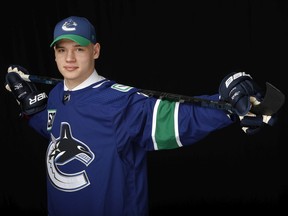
75	28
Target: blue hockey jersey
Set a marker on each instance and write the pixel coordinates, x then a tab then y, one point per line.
98	140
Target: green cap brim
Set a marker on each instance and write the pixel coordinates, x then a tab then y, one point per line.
78	39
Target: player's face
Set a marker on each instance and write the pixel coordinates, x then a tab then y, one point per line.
75	62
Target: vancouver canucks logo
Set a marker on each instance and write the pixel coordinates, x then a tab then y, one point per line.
69	25
62	151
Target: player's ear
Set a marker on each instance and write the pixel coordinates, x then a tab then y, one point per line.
96	50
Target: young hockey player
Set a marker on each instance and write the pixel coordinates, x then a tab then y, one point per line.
100	131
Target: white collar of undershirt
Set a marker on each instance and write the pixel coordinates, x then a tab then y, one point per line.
93	78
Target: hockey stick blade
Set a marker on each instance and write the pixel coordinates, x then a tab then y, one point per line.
272	102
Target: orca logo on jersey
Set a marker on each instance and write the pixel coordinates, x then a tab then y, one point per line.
60	152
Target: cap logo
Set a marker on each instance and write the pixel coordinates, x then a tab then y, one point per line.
70	25
77	29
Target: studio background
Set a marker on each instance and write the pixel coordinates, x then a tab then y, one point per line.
180	47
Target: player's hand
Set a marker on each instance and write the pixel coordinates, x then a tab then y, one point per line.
252	123
244	95
237	88
26	94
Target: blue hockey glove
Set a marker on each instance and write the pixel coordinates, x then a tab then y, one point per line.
239	89
28	97
251	123
236	89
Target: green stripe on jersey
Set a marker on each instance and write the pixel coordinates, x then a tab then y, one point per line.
166	129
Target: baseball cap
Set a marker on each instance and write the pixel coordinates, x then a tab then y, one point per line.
78	29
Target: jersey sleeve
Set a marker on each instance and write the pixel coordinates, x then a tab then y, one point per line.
38	122
163	124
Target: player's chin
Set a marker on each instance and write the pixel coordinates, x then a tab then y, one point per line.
70	75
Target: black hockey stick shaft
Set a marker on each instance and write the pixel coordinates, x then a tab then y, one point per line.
40	79
151	93
189	99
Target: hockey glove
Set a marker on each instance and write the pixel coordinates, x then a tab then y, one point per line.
251	123
28	97
243	94
236	89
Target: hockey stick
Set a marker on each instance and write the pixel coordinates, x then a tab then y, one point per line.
272	102
189	99
40	79
151	93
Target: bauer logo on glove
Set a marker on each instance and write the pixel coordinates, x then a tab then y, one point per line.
236	89
254	108
28	97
